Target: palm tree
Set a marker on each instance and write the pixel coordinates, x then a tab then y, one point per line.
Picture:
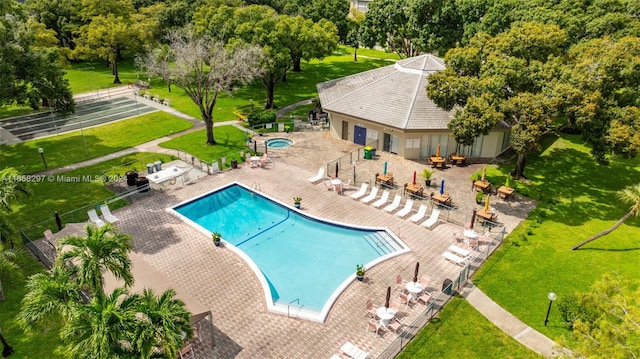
629	195
100	329
101	250
9	265
163	325
48	295
10	188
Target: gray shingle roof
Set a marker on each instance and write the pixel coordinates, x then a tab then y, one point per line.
393	95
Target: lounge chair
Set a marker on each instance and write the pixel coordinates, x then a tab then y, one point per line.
408	207
383	199
317	177
353	351
361	191
395	204
432	219
372	195
93	217
454	258
106	214
420	215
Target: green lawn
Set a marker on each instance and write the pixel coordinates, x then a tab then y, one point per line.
65	149
576	200
460	331
231	141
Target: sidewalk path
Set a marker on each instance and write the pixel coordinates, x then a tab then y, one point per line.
511	325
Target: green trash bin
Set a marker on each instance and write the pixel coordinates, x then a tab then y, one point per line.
368	150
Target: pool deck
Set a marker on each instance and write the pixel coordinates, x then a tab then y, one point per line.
221	281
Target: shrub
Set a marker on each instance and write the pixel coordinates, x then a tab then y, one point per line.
571	310
260	117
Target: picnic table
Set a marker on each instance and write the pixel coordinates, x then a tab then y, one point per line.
383	179
483	186
437	162
505	192
414	189
444	198
457	159
485	215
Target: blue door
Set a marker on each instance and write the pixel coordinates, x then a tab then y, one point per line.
359	135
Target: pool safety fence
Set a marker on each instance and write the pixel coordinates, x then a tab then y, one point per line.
438	301
32	234
274	127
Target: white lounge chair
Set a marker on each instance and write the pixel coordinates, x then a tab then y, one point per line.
317	177
372	195
454	258
383	199
361	191
352	351
432	219
93	217
106	214
408	207
395	204
420	215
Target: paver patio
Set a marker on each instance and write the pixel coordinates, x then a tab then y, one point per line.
221	281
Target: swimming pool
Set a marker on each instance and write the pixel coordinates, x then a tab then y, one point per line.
279	143
303	263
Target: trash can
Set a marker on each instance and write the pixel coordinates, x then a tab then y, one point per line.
367	152
447	287
158	165
142	182
234	163
131	178
149	168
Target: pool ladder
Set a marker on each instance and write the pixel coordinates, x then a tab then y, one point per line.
255	186
289	308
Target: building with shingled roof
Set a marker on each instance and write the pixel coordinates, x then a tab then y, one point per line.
388	108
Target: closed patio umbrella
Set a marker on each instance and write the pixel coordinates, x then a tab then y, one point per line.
415	272
386	301
58	221
442	187
438	151
414	177
486	204
385	168
473	218
484	172
336	169
255	147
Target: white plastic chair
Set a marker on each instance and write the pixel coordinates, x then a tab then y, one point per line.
432	219
317	177
371	196
93	217
420	215
408	207
395	204
361	191
106	214
383	199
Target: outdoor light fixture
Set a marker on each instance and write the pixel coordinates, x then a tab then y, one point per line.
552	296
41	152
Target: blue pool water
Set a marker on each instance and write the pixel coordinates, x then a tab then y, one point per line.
303	259
279	142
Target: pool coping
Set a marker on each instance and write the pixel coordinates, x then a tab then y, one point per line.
319	317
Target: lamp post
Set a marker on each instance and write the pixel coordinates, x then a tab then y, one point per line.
552	296
41	152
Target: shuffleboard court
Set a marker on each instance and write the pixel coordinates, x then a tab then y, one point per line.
87	114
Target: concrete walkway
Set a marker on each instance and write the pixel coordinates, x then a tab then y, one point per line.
511	325
524	334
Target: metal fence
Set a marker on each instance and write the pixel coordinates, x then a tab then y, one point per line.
437	302
347	164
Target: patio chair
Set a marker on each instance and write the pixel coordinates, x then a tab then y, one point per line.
372	195
106	214
424	282
374	326
197	329
328	185
361	191
371	309
346	185
405	299
432	219
424	298
420	215
394	205
394	325
93	217
317	177
352	351
383	199
400	284
187	352
408	207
